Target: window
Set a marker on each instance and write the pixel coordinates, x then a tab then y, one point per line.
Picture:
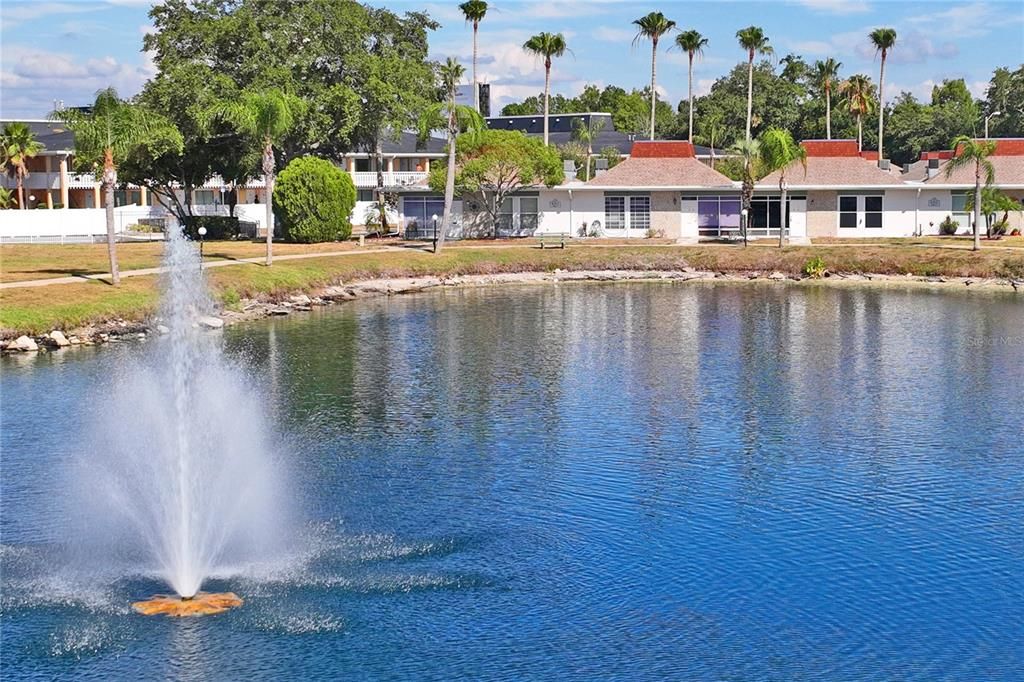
528	215
847	211
364	195
960	213
505	215
517	216
640	213
873	212
362	165
615	213
408	165
203	197
419	215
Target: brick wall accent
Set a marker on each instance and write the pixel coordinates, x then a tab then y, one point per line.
831	147
1006	146
676	149
821	213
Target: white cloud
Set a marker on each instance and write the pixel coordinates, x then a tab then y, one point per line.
19	11
912	47
976	19
612	35
836	6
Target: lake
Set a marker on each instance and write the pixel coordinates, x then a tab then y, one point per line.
583	481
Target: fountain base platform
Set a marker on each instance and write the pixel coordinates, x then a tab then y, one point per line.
202	604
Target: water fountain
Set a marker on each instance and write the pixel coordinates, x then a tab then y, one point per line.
181	484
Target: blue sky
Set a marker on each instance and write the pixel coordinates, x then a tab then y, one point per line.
67	49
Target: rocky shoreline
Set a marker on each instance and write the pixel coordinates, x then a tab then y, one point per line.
114	331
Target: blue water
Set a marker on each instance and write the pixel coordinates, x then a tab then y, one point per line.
629	482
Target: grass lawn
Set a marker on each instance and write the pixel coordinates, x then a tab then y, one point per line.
957	241
66	306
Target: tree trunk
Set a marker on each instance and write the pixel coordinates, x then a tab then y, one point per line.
689	96
784	224
977	206
21	191
750	96
109	180
748	193
449	185
547	91
860	133
828	111
881	105
476	88
269	179
382	210
654	94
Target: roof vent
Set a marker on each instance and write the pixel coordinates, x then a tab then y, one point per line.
569	166
933	163
933	168
600	165
883	164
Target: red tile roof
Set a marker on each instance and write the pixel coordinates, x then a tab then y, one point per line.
660	149
831	148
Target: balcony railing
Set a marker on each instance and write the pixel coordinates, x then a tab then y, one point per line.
368	179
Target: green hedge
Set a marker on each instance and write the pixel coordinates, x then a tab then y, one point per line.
217	227
313	201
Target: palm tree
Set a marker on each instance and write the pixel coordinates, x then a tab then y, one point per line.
474	11
19	145
860	98
749	152
779	152
586	134
546	45
652	27
994	200
108	132
266	116
883	39
6	198
969	152
453	118
825	75
754	41
692	43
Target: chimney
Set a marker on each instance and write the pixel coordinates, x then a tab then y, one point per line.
600	166
485	99
933	168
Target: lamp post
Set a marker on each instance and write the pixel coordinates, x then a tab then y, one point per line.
743	222
434	218
992	115
202	233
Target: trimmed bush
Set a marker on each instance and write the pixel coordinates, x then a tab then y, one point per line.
217	227
948	226
313	201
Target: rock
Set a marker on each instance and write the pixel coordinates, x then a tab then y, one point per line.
210	322
279	311
59	339
74	340
300	299
23	344
163	329
104	337
776	275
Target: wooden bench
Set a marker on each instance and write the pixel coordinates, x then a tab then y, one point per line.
559	237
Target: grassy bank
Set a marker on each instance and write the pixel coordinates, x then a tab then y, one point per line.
66	306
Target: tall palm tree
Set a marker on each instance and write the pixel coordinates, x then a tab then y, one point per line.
474	11
860	98
586	134
546	45
18	145
825	75
453	119
779	152
652	27
692	43
970	152
266	116
754	41
883	39
108	132
749	152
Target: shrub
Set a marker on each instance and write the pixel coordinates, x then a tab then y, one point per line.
217	227
653	233
313	200
1000	227
815	268
948	226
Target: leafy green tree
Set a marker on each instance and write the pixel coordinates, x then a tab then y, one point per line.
883	40
911	129
1005	93
7	199
474	11
314	200
860	100
974	153
778	152
754	41
546	45
586	134
954	111
494	164
776	102
825	74
17	145
692	43
652	27
453	119
748	154
109	132
711	133
265	116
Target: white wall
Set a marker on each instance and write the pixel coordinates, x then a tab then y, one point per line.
54	224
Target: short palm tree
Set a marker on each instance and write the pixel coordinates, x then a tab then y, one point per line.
778	152
546	45
994	200
749	152
586	134
6	198
860	98
652	27
883	40
754	41
107	133
825	75
453	119
970	152
474	11
265	116
19	145
692	43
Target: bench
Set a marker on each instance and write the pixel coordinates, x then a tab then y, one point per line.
559	237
